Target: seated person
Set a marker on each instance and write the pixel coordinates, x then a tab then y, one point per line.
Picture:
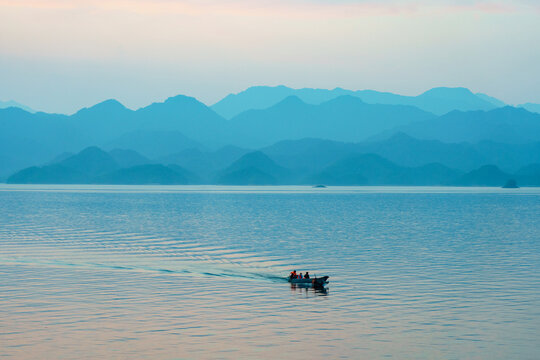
307	275
300	277
293	275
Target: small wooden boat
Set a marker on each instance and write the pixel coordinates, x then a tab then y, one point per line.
316	282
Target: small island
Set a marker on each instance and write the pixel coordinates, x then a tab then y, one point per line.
511	184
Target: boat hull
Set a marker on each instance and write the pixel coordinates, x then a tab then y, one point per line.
310	282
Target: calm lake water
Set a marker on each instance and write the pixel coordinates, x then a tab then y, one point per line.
197	272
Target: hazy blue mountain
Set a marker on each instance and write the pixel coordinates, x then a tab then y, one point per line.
345	118
351	167
491	99
11	103
488	175
504	125
192	159
247	176
75	169
528	175
142	175
408	151
17	153
442	100
254	168
531	107
204	163
355	170
411	152
188	129
437	100
226	155
312	155
93	165
108	120
128	158
430	175
309	155
508	157
154	144
186	115
28	139
92	161
190	176
61	157
105	121
49	174
371	169
262	97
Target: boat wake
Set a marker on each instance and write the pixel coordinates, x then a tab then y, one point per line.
88	249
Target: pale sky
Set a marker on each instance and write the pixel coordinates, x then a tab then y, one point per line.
61	55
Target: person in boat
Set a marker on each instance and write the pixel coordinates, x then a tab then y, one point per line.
306	276
300	276
293	274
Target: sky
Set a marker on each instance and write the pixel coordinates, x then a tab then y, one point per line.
62	55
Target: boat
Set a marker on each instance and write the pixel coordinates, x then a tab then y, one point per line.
316	282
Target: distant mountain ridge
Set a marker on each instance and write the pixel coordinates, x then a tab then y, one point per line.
27	139
438	101
183	131
95	166
345	118
254	168
505	125
11	103
531	107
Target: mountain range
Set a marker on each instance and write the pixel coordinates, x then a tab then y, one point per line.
302	131
11	103
437	100
95	166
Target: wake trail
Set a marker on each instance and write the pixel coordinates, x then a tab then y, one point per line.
87	248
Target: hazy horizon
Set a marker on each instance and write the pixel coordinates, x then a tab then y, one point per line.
60	56
211	103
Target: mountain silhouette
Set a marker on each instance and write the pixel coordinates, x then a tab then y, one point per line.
93	165
49	174
204	163
504	125
528	175
183	114
144	175
254	168
320	127
437	100
487	175
345	118
104	121
154	144
312	155
92	161
531	107
11	103
128	158
371	169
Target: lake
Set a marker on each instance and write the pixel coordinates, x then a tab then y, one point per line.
197	272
